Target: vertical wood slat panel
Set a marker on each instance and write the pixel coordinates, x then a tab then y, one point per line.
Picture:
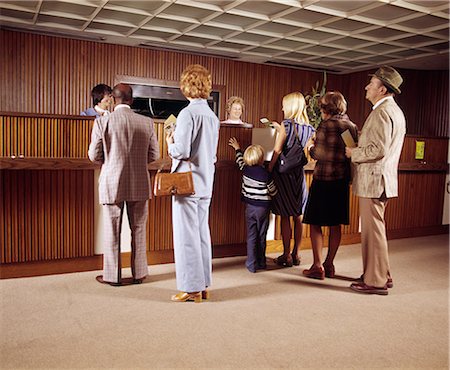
43	84
42	220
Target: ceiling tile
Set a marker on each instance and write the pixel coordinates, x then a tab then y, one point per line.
24	5
16	14
383	33
232	20
186	11
108	28
264	51
318	49
305	16
145	6
110	16
326	60
350	42
346	25
377	59
287	44
344	6
415	40
380	48
295	55
424	22
428	4
193	40
170	25
208	30
152	34
231	45
443	32
62	22
266	8
314	35
68	9
275	28
438	47
386	13
350	54
249	37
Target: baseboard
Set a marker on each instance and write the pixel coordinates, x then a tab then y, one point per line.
419	231
52	267
70	265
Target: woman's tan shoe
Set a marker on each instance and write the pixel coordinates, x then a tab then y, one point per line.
187	297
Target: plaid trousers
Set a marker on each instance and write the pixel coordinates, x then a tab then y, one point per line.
112	224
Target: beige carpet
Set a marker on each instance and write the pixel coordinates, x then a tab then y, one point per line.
272	319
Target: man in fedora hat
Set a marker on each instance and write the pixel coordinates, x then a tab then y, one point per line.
376	162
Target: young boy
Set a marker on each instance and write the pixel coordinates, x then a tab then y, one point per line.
257	191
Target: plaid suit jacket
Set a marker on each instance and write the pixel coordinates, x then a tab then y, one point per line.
378	152
124	143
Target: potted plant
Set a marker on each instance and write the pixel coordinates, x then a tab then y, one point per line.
312	102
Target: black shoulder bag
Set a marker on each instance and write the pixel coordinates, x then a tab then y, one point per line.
292	157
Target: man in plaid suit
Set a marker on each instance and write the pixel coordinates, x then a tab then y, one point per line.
123	143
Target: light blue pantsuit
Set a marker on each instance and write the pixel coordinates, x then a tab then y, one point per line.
192	243
194	149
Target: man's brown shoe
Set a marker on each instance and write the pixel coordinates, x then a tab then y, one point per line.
389	283
99	278
367	289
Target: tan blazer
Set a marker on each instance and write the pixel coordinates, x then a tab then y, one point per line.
378	152
124	142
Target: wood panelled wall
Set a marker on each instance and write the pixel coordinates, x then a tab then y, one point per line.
45	214
43	74
48	214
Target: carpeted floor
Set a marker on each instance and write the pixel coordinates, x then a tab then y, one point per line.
272	319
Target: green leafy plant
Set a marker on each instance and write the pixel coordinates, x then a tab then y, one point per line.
312	102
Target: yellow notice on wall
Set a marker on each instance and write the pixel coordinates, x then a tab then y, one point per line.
420	149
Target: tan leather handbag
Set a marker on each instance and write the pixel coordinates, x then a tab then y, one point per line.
177	183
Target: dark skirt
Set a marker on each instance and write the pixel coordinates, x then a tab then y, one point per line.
292	194
328	203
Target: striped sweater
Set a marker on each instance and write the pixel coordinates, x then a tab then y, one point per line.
257	188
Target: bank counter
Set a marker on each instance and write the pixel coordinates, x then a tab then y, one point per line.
50	219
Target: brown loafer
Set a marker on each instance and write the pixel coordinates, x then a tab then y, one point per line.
99	278
187	297
315	272
284	260
367	289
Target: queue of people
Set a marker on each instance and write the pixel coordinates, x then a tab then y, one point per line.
277	188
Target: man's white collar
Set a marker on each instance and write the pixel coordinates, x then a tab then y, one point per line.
118	106
381	101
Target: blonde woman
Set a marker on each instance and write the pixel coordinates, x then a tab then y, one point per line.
292	194
193	145
234	107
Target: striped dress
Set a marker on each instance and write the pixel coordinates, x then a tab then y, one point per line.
292	193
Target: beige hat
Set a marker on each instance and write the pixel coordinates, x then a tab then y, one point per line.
390	77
